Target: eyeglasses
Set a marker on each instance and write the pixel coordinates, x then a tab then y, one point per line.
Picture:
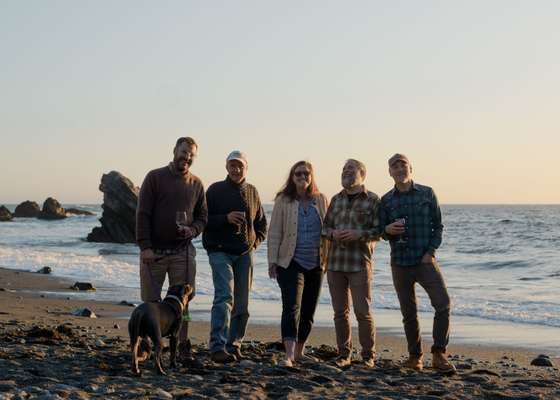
299	174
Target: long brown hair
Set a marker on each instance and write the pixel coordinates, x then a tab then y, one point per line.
289	189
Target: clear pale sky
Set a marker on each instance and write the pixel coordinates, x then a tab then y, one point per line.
470	91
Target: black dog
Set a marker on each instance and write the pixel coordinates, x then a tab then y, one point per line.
158	320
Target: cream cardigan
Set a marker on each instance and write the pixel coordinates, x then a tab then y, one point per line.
282	231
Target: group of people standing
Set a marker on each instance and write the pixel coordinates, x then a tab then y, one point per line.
307	237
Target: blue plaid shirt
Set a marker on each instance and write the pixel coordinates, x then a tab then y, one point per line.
420	207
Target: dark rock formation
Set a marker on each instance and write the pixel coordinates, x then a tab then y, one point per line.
542	361
118	222
52	210
5	214
77	211
27	209
45	270
82	286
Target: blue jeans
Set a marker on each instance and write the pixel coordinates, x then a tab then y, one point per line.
232	276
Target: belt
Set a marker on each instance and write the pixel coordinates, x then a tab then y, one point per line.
169	252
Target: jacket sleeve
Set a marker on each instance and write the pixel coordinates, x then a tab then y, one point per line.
328	223
200	213
437	226
144	213
275	231
215	221
384	220
259	223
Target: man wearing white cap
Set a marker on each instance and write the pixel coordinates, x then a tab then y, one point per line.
236	226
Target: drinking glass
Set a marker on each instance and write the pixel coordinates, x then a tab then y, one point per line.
181	220
401	237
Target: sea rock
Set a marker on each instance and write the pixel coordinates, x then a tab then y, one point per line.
84	312
118	221
83	286
542	361
45	270
77	211
27	209
5	214
52	210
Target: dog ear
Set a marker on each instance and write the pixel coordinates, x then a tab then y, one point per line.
188	289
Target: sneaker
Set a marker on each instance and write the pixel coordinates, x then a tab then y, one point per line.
343	361
414	362
185	354
441	364
369	362
222	357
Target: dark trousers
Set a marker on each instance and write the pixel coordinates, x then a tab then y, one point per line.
430	278
300	293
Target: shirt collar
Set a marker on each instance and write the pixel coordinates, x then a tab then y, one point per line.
396	191
236	185
362	191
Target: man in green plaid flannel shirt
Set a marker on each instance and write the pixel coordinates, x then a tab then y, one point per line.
352	225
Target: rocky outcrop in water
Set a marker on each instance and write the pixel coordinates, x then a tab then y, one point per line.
77	211
27	209
5	214
52	210
118	221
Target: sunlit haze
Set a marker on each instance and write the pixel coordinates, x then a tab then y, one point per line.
470	91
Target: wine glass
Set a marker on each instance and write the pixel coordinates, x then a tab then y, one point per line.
401	237
181	220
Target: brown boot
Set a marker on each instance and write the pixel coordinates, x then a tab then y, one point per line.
414	362
440	363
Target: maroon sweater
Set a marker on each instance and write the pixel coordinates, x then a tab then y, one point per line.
163	193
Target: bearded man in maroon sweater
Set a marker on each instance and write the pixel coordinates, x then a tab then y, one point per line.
165	240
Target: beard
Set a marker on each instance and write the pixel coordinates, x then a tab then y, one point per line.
178	164
349	181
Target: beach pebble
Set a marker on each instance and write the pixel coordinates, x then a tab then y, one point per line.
116	326
45	270
127	303
100	343
542	361
82	286
84	312
162	394
247	364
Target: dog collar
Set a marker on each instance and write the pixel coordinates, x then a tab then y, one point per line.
178	300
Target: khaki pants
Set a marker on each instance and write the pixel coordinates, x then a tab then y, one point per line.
152	276
429	277
342	285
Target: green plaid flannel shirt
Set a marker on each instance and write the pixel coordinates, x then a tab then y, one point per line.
362	213
424	229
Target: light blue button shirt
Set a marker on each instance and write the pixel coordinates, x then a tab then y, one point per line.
308	236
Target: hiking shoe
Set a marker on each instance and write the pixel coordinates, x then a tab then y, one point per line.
222	357
414	362
369	362
441	364
343	361
185	352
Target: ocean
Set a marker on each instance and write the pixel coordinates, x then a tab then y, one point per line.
501	264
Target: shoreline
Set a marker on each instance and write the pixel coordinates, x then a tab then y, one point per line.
44	298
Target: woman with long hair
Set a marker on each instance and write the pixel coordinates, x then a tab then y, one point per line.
297	255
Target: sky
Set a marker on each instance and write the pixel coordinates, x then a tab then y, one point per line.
470	91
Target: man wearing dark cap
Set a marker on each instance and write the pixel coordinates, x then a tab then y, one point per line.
165	242
411	217
236	226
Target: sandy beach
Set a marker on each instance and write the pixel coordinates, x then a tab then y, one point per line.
47	352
